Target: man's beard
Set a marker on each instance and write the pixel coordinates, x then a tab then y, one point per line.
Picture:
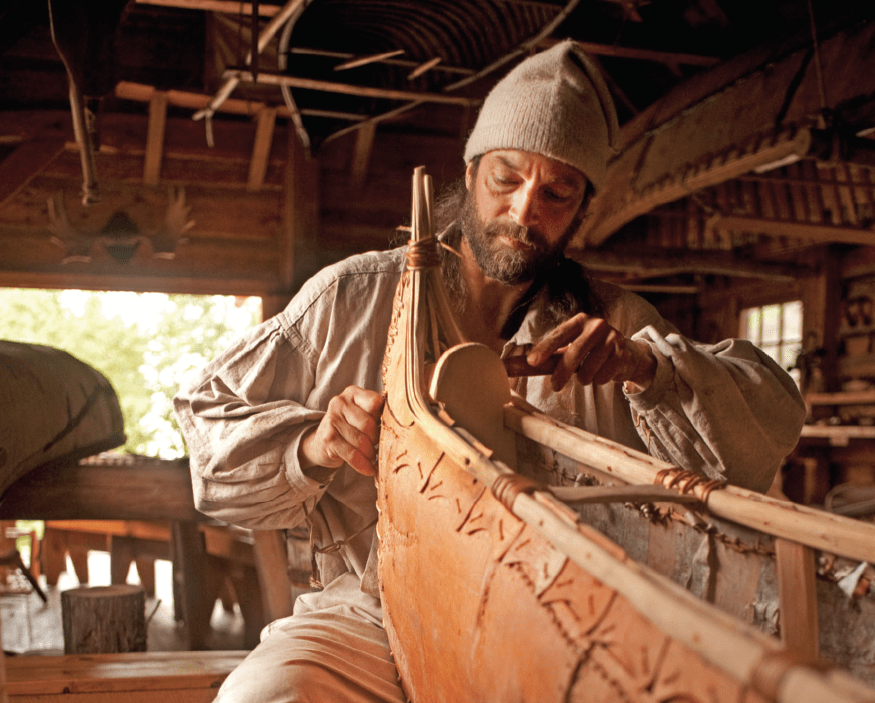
497	260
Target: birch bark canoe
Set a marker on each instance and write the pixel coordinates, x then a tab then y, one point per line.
495	590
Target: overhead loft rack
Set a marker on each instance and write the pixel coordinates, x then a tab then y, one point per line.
754	122
399	54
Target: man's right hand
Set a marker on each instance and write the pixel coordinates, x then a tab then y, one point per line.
348	433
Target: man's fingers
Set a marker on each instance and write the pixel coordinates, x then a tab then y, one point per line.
610	367
348	432
369	401
554	340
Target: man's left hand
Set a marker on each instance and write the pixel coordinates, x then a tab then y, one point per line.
596	353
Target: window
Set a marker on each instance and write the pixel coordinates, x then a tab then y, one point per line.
776	329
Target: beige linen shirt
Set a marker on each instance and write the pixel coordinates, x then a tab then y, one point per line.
723	411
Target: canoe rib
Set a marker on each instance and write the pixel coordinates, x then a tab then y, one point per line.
457	567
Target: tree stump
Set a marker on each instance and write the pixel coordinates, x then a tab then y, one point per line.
104	619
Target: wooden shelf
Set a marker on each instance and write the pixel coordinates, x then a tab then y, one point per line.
838	435
845	398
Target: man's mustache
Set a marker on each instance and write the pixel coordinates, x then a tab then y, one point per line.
520	233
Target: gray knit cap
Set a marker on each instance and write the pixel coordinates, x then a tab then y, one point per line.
555	104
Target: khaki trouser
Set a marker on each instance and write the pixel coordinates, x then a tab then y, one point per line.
331	656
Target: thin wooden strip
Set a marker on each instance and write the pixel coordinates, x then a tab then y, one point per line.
818	529
846	195
261	148
347	89
797	595
155	138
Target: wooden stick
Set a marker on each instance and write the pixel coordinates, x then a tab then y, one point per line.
346	88
365	60
519	366
798	523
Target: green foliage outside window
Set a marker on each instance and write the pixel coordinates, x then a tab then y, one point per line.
145	344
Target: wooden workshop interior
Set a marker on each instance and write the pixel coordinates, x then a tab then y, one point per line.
220	147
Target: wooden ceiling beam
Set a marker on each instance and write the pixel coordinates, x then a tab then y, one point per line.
261	148
664	262
348	89
139	92
669	58
815	232
26	161
229	7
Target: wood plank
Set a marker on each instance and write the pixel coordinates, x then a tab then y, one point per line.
188	695
811	174
301	224
141	529
361	155
670	58
78	677
843	398
349	89
801	207
261	148
24	163
155	138
800	230
829	193
233	214
839	433
229	543
645	261
797	597
229	7
158	491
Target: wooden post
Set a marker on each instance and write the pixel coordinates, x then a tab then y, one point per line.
104	619
797	597
272	563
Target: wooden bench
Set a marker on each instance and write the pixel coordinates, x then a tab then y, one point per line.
242	566
135	677
145	489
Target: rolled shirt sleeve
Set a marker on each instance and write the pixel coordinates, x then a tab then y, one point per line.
725	411
245	414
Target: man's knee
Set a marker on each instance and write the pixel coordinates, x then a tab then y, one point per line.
290	682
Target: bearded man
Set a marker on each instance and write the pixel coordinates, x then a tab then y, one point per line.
282	427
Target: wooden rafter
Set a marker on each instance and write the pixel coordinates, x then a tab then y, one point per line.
802	201
261	148
155	138
361	156
348	89
26	161
648	263
226	6
233	106
404	63
744	119
669	58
